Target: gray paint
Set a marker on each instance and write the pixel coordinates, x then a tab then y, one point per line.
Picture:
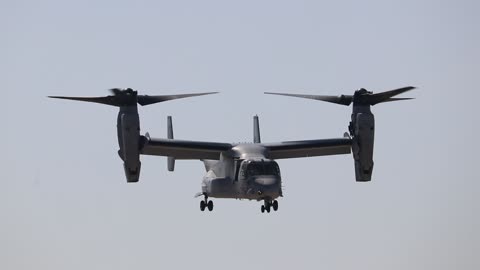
227	164
256	130
128	124
362	125
244	171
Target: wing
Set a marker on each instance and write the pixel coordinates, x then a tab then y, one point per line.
308	148
180	149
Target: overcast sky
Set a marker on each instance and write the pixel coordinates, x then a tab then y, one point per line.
64	200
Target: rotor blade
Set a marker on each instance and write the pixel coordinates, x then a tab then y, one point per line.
394	99
342	100
385	96
108	100
147	100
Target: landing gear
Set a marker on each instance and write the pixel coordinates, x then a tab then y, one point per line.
210	205
275	205
268	205
206	204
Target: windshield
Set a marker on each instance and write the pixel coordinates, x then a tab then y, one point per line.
262	168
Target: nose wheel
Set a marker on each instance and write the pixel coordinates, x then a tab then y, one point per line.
206	204
268	205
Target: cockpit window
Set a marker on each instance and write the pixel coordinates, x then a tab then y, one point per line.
262	168
271	169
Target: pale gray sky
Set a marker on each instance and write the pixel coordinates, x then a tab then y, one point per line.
64	201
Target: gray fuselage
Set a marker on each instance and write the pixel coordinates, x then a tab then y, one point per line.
243	174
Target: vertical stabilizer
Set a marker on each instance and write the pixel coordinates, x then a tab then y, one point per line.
256	130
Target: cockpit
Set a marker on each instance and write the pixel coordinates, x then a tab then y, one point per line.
259	167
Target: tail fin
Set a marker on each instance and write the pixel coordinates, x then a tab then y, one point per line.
256	130
170	160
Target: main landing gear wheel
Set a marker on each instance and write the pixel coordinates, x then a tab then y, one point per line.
269	205
275	205
206	204
210	205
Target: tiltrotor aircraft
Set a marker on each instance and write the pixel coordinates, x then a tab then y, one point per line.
244	170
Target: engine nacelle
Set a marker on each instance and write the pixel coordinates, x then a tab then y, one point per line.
128	132
362	130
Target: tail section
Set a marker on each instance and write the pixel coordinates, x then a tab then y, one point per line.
256	130
170	160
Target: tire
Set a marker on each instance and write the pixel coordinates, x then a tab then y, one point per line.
210	205
202	206
267	208
275	205
262	208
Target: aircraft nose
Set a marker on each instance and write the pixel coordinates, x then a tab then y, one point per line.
266	180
